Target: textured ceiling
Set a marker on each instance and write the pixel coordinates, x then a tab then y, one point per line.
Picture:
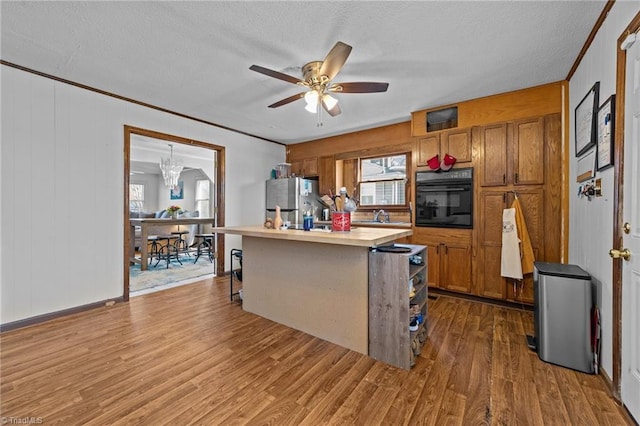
194	57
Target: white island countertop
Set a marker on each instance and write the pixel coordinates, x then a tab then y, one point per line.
359	236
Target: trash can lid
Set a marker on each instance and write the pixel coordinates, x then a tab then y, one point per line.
561	270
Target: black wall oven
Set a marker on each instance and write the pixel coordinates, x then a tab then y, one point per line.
445	199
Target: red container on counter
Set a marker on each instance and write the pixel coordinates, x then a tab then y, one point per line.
341	221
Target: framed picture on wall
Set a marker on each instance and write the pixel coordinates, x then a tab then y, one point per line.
177	192
606	121
585	120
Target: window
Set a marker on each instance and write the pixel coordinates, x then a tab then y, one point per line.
383	181
202	197
136	197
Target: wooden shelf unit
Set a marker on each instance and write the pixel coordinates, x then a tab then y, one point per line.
390	302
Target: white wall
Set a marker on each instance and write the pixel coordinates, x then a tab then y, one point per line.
591	222
151	184
61	237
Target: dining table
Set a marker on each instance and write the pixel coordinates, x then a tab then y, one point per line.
146	224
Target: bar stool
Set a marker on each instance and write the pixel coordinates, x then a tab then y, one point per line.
154	250
168	250
180	243
237	254
204	246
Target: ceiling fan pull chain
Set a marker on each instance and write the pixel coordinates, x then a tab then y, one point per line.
319	123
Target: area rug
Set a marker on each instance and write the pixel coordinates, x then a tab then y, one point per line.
176	274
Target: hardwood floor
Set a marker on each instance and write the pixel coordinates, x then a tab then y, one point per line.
189	356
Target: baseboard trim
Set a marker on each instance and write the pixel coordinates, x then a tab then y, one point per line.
503	303
608	383
58	314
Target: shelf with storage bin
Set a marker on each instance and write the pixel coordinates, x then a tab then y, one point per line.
391	302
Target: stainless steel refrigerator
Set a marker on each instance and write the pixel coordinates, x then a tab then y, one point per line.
295	196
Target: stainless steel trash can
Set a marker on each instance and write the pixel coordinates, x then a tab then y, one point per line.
562	315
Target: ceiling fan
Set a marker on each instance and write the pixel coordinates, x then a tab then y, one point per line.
317	78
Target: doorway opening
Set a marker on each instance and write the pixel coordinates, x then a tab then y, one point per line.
199	197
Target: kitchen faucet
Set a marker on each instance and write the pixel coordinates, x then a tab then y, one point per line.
377	214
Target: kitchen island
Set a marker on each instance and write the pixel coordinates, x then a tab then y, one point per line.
313	281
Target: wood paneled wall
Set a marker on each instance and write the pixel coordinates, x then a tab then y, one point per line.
364	140
530	102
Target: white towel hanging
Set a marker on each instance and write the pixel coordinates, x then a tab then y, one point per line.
510	265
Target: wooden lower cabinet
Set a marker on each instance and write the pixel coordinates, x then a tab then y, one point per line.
489	282
521	291
449	257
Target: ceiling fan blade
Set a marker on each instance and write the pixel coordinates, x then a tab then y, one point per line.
335	59
275	74
360	87
333	111
287	100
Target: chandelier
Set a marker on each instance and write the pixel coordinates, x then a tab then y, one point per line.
171	169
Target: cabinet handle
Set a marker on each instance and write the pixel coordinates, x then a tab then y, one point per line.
504	178
438	249
446	250
516	178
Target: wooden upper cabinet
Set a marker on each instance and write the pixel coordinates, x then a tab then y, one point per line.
305	167
427	148
326	174
493	154
512	153
296	167
528	151
310	166
456	143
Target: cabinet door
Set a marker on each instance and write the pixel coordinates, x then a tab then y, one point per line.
457	143
491	284
296	168
532	203
521	292
310	166
326	174
433	263
528	151
349	176
456	265
493	161
427	148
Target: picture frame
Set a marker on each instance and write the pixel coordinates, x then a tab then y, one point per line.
586	166
606	127
585	120
177	192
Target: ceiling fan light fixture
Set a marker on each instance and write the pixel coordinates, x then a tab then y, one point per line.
312	108
311	98
329	101
317	77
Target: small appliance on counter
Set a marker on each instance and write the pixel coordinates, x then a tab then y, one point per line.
295	196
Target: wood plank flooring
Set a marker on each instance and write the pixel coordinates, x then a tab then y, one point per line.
189	356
